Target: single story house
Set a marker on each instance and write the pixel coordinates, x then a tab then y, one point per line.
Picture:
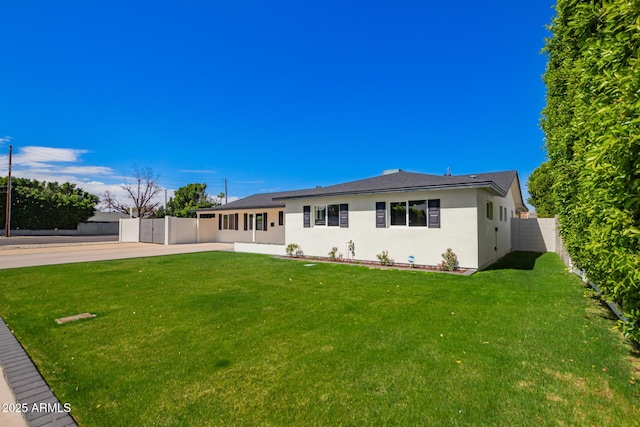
404	213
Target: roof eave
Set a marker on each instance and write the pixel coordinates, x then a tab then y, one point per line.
489	185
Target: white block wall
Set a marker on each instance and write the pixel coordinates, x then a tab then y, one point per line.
534	234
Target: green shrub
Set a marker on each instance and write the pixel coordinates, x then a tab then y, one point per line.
293	250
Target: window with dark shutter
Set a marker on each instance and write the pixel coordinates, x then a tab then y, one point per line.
434	213
417	213
398	213
306	215
281	218
264	221
246	222
333	215
381	214
235	221
219	222
344	215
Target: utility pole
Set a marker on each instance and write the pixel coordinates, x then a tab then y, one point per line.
226	196
7	222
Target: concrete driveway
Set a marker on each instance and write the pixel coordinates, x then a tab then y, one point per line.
45	240
33	255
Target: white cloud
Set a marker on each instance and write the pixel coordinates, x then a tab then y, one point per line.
36	155
60	165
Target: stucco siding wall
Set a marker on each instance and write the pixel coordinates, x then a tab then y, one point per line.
494	235
457	230
207	229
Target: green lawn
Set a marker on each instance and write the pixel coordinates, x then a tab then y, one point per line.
239	339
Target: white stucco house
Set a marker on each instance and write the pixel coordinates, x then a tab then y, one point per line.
404	213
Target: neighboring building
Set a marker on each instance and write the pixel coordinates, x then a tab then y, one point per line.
406	214
107	217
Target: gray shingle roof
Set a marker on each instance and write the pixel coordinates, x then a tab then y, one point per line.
496	182
260	200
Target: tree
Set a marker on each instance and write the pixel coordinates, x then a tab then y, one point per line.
540	185
187	198
142	192
39	205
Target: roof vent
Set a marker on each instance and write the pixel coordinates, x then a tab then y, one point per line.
448	172
474	176
390	171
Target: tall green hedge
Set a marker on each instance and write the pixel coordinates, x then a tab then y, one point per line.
37	205
592	127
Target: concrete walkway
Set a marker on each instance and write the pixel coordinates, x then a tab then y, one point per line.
21	385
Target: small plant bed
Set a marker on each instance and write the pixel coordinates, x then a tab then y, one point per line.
378	264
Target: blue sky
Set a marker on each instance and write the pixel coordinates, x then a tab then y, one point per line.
271	95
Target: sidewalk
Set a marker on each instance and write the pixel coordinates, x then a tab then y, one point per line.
20	382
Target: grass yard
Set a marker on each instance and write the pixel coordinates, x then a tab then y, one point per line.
239	339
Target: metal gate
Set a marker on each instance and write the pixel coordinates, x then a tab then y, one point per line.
152	230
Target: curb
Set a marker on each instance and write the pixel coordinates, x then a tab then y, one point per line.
38	404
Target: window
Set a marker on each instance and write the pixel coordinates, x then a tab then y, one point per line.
259	222
329	215
229	222
381	214
417	213
489	210
434	213
250	221
320	215
306	216
281	218
398	213
333	214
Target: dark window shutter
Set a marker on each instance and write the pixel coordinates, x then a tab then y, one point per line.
236	221
246	222
434	213
264	221
220	222
307	216
381	214
344	215
281	218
